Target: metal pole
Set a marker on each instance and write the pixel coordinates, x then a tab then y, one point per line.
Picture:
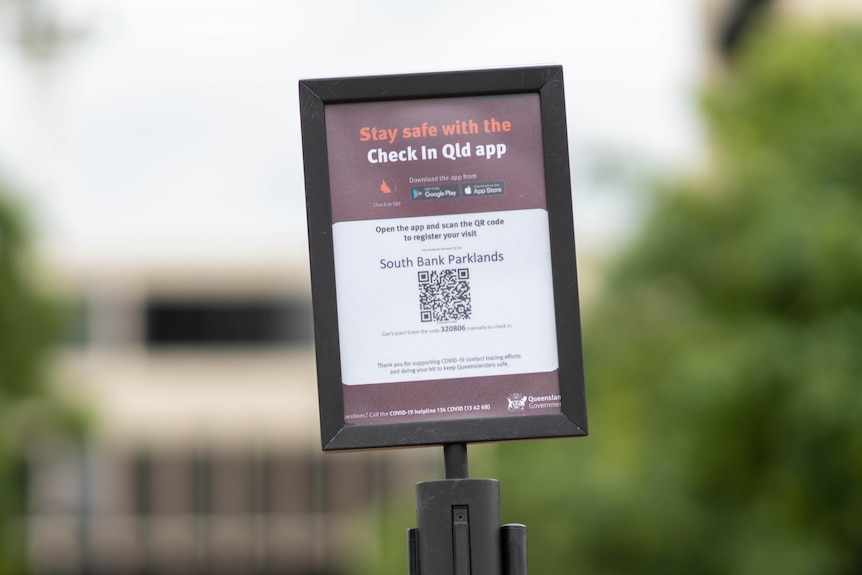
514	537
455	461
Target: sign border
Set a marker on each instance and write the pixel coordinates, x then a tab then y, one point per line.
547	81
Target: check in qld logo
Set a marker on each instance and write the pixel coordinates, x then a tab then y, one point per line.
388	186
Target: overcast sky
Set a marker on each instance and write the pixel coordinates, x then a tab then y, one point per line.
171	131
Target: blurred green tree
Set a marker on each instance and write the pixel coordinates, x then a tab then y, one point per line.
724	358
724	355
31	323
30	327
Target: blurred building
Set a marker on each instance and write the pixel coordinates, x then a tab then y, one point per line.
205	455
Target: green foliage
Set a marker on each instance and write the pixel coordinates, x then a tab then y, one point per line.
29	327
723	360
724	356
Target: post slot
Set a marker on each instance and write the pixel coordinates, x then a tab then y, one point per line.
461	539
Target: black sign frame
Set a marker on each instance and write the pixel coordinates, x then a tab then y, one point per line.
547	82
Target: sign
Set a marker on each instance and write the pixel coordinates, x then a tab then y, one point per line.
442	258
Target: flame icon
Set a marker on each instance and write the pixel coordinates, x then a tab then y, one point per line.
384	187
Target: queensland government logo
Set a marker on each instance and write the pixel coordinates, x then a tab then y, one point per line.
516	401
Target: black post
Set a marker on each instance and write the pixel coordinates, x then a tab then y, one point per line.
514	549
458	526
455	461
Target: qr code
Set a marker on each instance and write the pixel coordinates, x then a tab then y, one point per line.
444	295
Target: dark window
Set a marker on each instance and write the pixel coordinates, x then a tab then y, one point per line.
179	322
348	480
142	484
178	484
290	484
